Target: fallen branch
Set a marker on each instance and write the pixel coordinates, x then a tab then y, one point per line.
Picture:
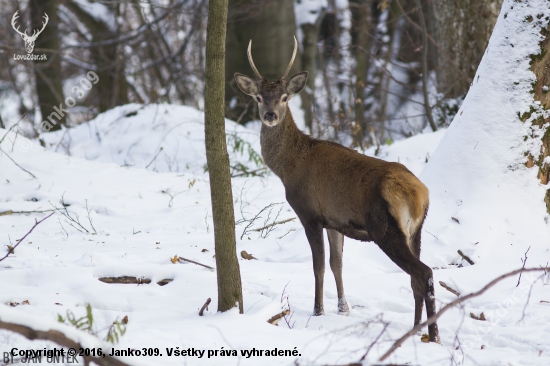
10	212
133	280
277	318
11	250
19	166
197	263
273	224
465	257
444	285
62	340
436	316
205	306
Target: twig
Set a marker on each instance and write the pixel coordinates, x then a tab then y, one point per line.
67	215
62	340
465	257
444	285
11	212
436	316
386	325
205	306
246	173
251	221
161	148
20	167
36	223
524	261
273	224
197	263
89	218
277	318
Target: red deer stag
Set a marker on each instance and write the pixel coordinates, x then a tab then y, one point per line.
347	193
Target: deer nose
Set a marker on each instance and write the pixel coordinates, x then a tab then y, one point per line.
270	116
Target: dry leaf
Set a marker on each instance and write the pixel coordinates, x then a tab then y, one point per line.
12	304
480	317
455	219
10	249
25	302
425	338
175	259
125	320
204	250
58	303
247	256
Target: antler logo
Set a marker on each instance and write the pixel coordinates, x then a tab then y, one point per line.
29	40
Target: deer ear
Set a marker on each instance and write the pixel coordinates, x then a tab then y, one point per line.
246	84
296	83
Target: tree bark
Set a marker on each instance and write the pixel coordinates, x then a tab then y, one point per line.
271	25
112	88
539	65
49	87
463	31
362	38
227	265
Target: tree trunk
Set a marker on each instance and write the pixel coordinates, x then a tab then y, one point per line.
539	65
463	31
112	88
49	87
309	58
227	265
271	26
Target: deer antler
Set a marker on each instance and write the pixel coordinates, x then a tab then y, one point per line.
292	59
13	21
249	53
36	33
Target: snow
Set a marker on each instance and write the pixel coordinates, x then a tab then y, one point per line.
147	205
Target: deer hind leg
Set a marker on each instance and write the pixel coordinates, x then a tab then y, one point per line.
394	243
314	233
336	241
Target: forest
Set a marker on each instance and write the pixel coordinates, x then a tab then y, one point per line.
144	218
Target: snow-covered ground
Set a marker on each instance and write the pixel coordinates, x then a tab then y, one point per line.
148	205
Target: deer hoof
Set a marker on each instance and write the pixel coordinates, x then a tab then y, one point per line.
343	308
318	310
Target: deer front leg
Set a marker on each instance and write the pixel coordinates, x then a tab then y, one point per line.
336	241
314	233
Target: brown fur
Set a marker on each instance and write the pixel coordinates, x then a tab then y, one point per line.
347	193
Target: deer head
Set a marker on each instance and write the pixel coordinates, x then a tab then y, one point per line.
272	97
29	40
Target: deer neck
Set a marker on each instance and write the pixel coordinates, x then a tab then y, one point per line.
282	145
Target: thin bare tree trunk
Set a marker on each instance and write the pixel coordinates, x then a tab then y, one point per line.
227	265
49	88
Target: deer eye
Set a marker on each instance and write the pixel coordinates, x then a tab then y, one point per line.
285	99
258	99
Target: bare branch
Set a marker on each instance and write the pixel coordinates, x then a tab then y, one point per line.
451	290
205	306
197	263
434	317
23	238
